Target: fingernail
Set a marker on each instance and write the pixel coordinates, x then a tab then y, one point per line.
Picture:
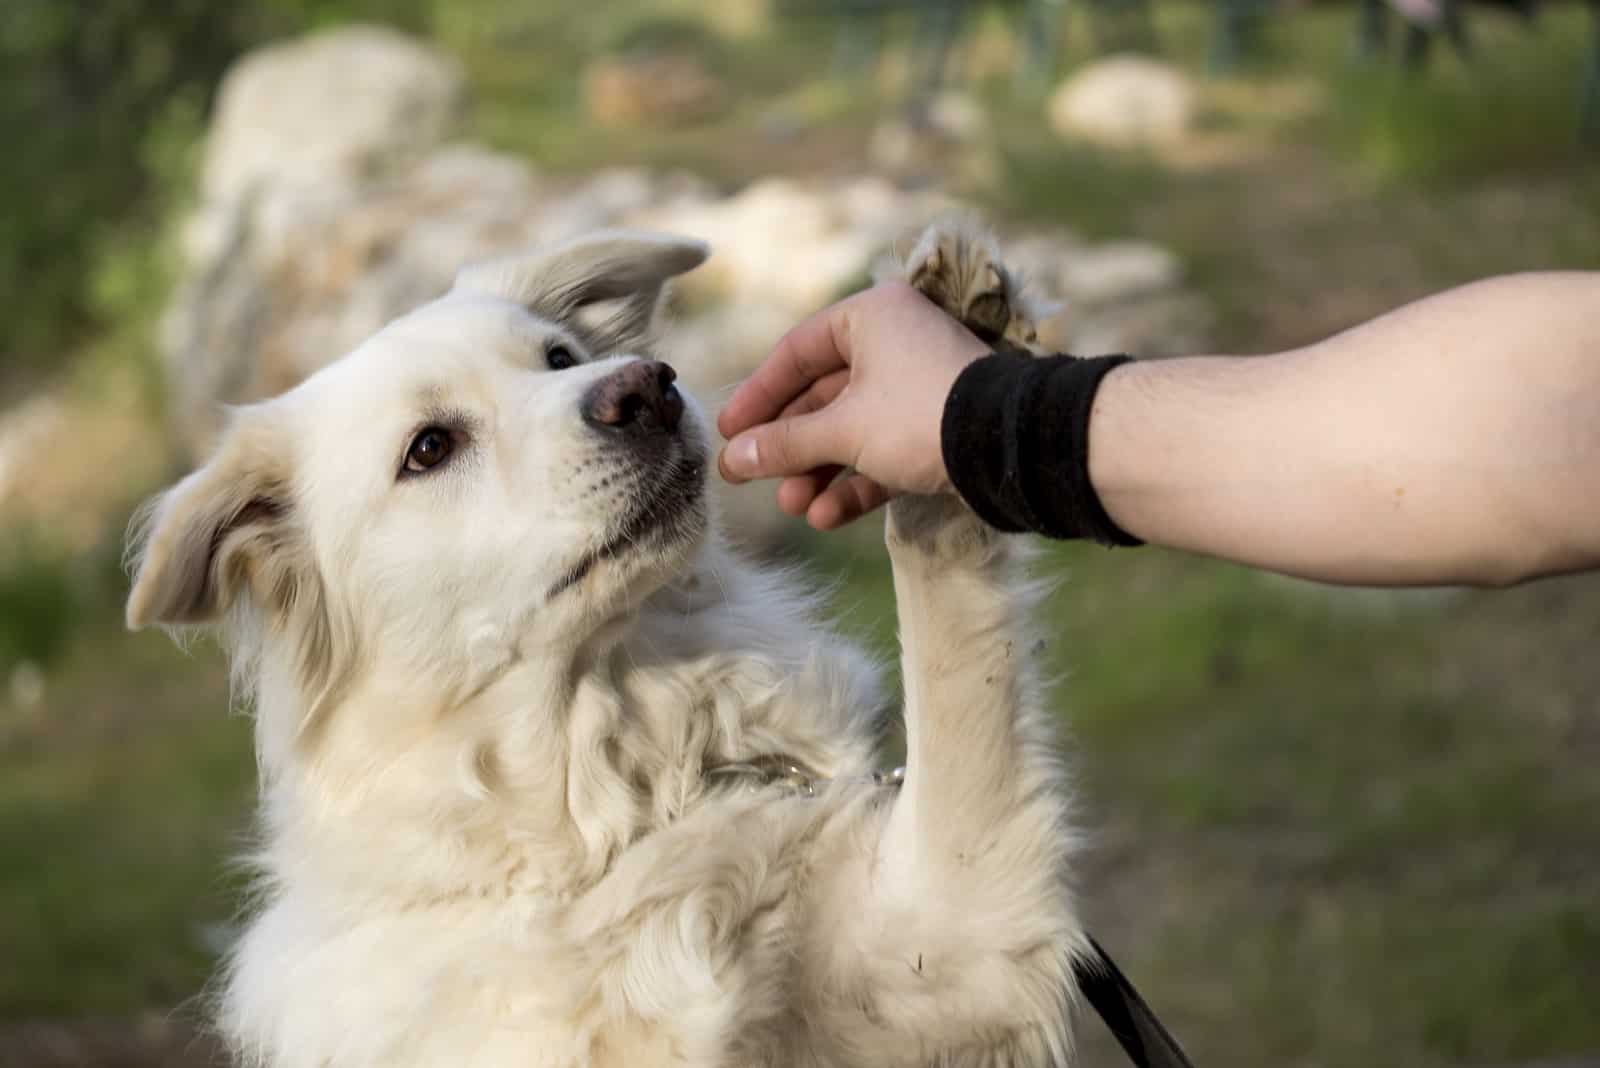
743	456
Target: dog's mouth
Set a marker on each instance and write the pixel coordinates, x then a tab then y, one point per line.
665	509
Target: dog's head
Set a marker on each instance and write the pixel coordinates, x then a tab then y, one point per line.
497	474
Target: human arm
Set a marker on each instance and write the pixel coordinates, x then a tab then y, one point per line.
1453	441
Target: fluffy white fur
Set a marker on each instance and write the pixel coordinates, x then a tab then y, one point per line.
487	835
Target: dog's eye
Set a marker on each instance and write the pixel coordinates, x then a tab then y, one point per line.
429	449
559	357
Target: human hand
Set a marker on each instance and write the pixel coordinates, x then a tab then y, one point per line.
860	384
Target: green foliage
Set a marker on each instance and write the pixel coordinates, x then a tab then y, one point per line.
39	603
89	85
1513	108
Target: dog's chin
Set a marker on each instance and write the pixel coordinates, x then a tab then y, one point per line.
651	539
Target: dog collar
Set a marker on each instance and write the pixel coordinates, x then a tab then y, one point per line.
771	769
1131	1022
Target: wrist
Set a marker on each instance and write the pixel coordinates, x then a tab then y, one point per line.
1014	438
1112	470
939	478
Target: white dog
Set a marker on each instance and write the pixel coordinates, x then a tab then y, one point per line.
550	777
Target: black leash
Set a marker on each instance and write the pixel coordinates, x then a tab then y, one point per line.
1131	1021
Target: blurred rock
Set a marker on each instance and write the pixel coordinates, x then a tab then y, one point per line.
27	684
957	115
1124	101
312	261
1171	324
24	429
738	18
351	103
794	244
1117	271
899	147
68	456
665	89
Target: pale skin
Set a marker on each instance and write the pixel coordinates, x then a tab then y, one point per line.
1454	441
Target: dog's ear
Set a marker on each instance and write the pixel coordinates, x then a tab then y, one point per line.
197	546
229	532
606	285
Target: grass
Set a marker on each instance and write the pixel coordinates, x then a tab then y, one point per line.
1383	855
36	604
1332	828
119	803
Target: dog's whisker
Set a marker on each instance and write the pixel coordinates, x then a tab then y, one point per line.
724	392
721	585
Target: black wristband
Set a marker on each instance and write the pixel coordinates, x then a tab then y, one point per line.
1015	437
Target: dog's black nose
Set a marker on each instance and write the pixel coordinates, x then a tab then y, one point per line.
636	399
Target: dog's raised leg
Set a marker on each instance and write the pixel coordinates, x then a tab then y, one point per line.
975	852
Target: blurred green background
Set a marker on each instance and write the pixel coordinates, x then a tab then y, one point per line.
1333	827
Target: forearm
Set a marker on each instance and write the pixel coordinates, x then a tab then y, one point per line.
1456	440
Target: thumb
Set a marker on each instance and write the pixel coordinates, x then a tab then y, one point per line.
790	446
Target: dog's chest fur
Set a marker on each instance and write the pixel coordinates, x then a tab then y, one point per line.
683	954
604	904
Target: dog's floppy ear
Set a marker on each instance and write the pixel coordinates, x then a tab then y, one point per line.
606	285
230	530
223	527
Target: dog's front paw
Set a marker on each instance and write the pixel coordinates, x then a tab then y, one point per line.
957	265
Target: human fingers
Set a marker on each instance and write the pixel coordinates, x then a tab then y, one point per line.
796	492
802	356
846	501
790	446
